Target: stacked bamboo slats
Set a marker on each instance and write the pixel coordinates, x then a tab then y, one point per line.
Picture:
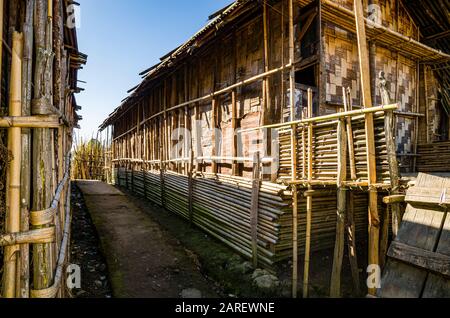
221	207
325	158
434	157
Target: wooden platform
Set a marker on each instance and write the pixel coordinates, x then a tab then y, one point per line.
419	258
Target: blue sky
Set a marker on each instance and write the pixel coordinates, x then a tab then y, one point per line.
123	38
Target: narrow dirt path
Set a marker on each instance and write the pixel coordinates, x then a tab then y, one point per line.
143	260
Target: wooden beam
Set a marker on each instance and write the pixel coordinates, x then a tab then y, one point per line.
374	219
435	262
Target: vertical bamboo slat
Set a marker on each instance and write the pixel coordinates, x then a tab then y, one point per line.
27	73
13	178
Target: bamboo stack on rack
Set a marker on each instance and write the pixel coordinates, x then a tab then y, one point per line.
325	160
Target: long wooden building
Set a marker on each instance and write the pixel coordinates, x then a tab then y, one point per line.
39	64
330	95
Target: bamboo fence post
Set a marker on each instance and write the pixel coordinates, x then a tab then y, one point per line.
293	152
42	157
256	185
13	195
374	219
335	289
25	191
309	198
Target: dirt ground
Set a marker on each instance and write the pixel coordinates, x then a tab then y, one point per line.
143	260
86	252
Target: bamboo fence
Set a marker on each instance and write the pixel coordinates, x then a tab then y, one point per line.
39	126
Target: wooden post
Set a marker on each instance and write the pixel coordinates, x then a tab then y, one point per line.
393	171
234	126
215	138
266	82
309	198
191	186
293	152
13	176
374	219
335	289
256	185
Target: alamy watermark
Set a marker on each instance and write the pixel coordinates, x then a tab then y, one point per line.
374	276
73	278
73	16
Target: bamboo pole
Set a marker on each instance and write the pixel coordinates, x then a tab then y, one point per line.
374	219
351	150
325	118
27	75
2	6
42	156
309	198
256	184
335	289
14	146
293	152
